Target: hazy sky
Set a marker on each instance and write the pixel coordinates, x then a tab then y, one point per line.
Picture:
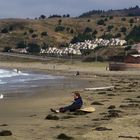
34	8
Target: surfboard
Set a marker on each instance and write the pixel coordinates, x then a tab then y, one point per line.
88	109
99	88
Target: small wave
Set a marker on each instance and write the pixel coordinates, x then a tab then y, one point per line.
11	73
11	77
1	82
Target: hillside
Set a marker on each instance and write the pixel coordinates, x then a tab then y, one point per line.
57	32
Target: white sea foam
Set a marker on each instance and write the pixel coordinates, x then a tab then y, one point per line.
16	76
1	82
10	73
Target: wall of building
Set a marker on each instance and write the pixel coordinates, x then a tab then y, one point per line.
123	66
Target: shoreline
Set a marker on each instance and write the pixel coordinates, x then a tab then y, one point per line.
25	117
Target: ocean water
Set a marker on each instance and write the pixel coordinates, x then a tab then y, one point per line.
13	80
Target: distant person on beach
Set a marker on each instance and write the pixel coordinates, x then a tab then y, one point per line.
77	73
17	70
77	104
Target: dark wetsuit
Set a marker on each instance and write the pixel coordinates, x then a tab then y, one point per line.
77	104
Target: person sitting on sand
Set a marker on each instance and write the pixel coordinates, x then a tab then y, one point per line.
77	104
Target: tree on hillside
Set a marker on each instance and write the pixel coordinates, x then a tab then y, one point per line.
107	36
33	48
111	17
110	27
81	38
44	34
94	32
100	22
131	20
123	29
59	28
44	46
118	35
87	30
59	21
7	49
31	31
64	16
42	17
34	35
4	30
134	34
54	16
21	45
123	19
71	31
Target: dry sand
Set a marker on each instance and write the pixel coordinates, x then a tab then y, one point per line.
117	115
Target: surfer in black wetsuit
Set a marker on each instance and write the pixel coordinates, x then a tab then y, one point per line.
77	104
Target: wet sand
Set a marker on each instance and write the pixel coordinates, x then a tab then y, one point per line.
117	115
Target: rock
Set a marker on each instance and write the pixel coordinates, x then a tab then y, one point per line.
5	133
102	92
130	106
111	107
4	125
96	103
79	113
102	129
113	114
63	136
52	117
67	117
110	94
138	96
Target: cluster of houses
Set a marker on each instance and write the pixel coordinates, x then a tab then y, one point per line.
76	48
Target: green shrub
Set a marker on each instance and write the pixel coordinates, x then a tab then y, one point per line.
44	34
4	30
7	49
100	22
33	48
59	28
21	44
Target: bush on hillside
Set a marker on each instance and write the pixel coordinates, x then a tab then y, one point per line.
134	34
7	49
33	48
42	17
87	30
107	36
34	35
118	35
131	20
44	46
110	27
111	17
31	31
123	19
123	29
21	45
81	38
44	34
4	30
59	28
101	22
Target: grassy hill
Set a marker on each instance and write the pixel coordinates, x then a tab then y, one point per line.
58	31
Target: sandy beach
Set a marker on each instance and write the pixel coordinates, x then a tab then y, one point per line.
117	115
